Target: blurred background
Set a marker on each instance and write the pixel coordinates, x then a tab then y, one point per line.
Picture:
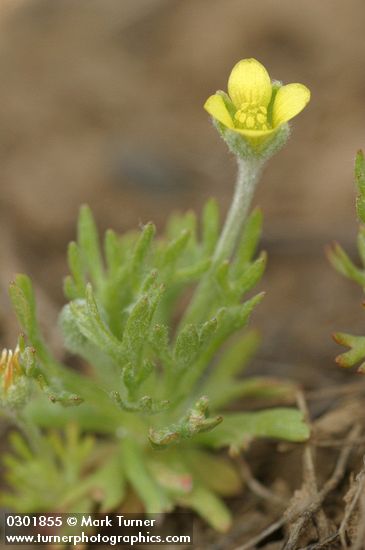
101	102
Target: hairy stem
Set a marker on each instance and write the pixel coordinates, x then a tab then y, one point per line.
247	177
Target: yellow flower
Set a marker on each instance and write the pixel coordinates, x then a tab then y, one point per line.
254	106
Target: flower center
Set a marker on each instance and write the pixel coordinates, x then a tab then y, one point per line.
252	117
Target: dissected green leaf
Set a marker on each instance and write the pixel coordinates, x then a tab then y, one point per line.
53	475
90	324
356	353
342	263
145	405
197	420
235	317
125	304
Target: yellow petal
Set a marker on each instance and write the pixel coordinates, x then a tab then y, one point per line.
217	108
249	82
256	138
254	133
289	101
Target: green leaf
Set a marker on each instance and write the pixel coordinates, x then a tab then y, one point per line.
89	416
356	353
19	445
187	346
88	240
361	243
192	272
159	340
149	281
77	272
228	390
360	208
233	318
229	320
141	251
154	497
94	329
53	474
197	420
109	483
250	276
360	182
360	172
65	398
175	249
137	328
360	177
207	331
112	251
217	473
170	472
23	300
248	242
342	263
238	429
209	507
69	288
22	297
135	375
145	405
189	221
222	276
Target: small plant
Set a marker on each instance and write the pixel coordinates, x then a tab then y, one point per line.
344	265
147	414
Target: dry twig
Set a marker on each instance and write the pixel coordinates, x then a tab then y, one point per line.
309	485
359	543
307	511
360	479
